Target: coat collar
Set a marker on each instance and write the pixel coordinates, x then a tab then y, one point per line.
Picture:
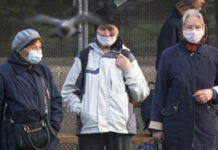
20	66
178	7
183	51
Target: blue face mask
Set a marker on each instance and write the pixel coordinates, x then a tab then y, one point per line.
34	57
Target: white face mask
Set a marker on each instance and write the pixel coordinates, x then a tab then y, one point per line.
193	36
34	57
106	41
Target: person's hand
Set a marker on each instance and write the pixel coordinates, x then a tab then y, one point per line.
158	136
203	96
123	62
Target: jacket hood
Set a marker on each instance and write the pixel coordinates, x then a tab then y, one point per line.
20	66
14	58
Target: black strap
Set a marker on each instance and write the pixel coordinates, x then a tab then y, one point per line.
46	94
83	55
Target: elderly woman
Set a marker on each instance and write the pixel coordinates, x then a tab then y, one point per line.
22	94
183	112
99	93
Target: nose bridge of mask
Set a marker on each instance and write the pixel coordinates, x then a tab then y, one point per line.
35	53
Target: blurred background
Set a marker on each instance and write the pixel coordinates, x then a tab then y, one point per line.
141	23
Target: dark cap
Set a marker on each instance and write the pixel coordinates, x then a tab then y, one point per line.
109	16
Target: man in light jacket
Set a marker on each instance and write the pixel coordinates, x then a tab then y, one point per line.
101	94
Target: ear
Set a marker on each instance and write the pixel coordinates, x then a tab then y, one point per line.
23	53
20	53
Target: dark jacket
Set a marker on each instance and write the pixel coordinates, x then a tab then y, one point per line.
21	87
169	33
180	74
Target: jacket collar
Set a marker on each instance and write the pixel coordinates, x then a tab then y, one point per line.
20	66
178	7
96	48
183	51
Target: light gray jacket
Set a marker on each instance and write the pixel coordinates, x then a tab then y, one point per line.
105	104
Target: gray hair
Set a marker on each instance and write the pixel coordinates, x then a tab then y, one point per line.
192	12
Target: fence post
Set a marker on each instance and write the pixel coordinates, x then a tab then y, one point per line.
85	25
82	38
80	35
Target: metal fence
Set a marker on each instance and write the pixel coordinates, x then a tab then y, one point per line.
141	23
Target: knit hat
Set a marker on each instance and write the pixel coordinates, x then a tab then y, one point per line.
23	37
109	16
186	2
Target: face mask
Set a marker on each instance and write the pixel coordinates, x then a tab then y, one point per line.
34	57
193	36
106	41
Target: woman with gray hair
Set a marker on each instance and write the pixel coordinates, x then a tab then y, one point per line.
183	112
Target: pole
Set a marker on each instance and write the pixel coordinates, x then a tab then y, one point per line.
85	25
83	36
80	28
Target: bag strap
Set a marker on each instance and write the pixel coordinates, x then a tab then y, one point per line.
83	55
46	94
